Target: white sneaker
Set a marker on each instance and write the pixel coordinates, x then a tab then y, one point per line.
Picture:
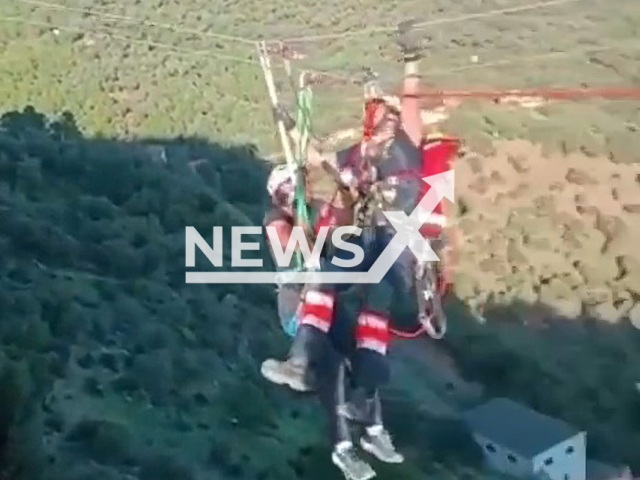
353	468
377	442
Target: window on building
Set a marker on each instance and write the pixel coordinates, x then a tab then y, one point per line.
548	461
569	450
490	448
511	458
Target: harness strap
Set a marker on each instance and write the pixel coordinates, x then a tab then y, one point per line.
400	334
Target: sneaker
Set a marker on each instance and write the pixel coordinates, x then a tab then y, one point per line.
377	442
353	468
290	372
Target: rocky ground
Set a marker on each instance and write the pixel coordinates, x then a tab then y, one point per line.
550	228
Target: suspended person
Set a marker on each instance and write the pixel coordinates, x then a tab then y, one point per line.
396	136
333	381
310	340
393	147
325	209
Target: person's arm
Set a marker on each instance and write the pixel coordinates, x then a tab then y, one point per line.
316	157
410	47
410	104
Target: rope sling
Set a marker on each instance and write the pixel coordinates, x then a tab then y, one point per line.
296	160
304	98
303	120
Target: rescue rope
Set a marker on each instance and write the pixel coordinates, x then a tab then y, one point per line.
304	98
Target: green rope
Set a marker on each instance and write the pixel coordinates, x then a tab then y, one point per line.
304	101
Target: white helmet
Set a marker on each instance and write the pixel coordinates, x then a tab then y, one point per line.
279	177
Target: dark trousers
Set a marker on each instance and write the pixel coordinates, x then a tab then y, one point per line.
349	330
341	368
335	388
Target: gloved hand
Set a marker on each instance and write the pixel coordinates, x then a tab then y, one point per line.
281	114
369	75
409	41
370	80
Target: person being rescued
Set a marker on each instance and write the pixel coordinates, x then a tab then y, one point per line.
394	149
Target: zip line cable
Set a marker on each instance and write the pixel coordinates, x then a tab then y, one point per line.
324	74
535	57
106	31
184	50
111	16
610	92
614	92
619	93
429	23
306	38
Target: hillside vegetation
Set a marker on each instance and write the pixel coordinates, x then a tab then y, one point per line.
111	367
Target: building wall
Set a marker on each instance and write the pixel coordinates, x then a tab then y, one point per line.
504	460
566	461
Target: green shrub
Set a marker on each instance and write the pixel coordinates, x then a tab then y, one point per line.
104	441
164	467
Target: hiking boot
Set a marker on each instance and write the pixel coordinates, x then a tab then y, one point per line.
377	442
353	468
291	372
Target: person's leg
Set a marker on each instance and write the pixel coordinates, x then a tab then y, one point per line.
365	408
282	223
332	382
376	440
315	316
288	295
371	370
371	367
372	335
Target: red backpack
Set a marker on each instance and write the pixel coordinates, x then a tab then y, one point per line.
438	155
